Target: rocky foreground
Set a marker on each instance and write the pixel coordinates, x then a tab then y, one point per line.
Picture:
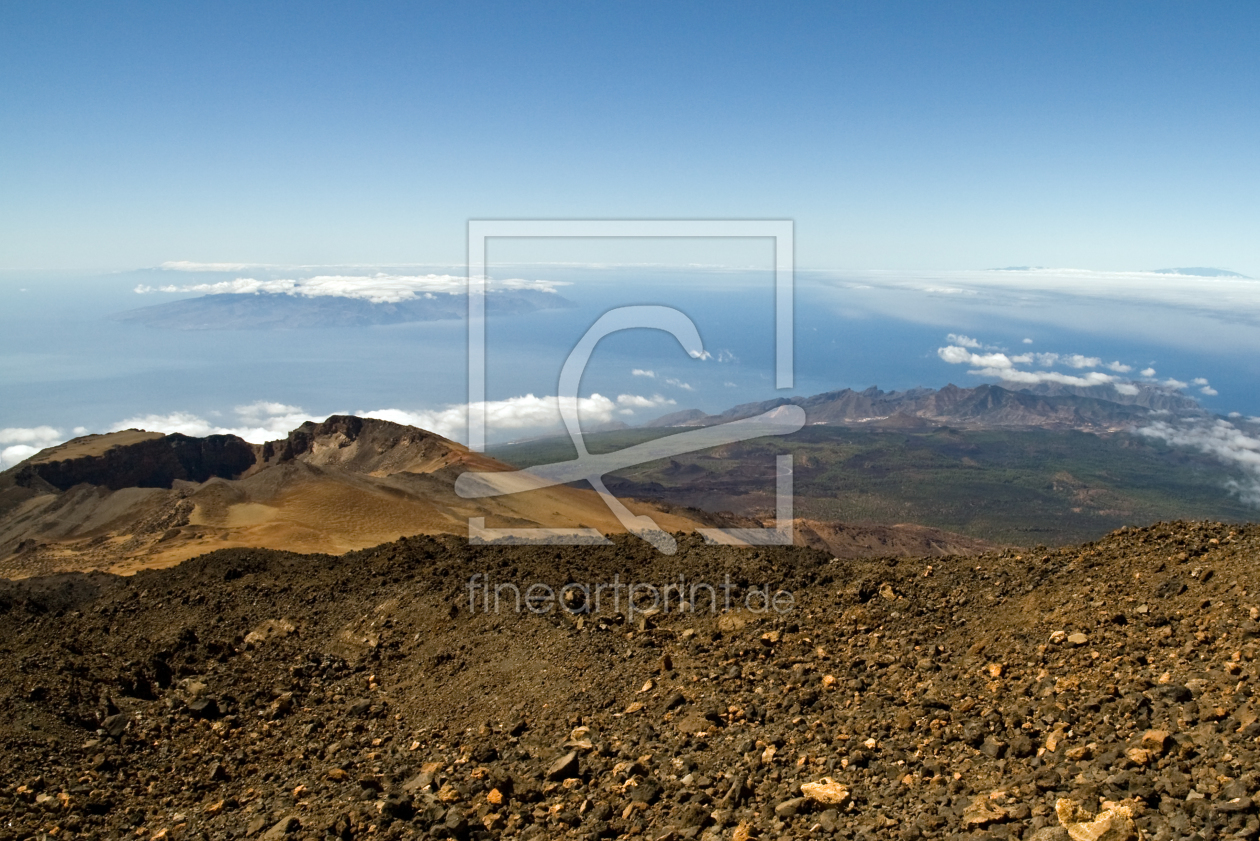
1097	692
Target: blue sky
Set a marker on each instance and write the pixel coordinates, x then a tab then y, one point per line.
916	146
897	135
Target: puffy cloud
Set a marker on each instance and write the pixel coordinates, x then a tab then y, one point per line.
522	283
451	422
640	372
993	360
1001	366
1221	439
954	354
527	412
19	443
379	288
268	421
964	341
263	409
700	354
515	413
10	456
1033	377
184	423
679	384
257	422
43	435
1028	341
638	401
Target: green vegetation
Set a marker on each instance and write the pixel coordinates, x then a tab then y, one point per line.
1023	487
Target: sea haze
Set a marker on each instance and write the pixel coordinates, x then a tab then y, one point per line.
68	361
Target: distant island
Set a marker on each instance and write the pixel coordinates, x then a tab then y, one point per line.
280	311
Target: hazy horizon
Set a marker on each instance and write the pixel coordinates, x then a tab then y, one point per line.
1016	176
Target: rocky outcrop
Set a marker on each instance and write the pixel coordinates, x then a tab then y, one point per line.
133	500
364	445
151	463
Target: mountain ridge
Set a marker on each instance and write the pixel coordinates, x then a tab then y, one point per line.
1049	406
131	500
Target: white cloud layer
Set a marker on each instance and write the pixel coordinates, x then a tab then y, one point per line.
1229	296
1221	439
192	266
966	341
30	435
1003	366
269	421
20	443
257	422
638	401
379	288
527	412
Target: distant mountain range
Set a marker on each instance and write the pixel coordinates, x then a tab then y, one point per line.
280	311
1047	464
1045	406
